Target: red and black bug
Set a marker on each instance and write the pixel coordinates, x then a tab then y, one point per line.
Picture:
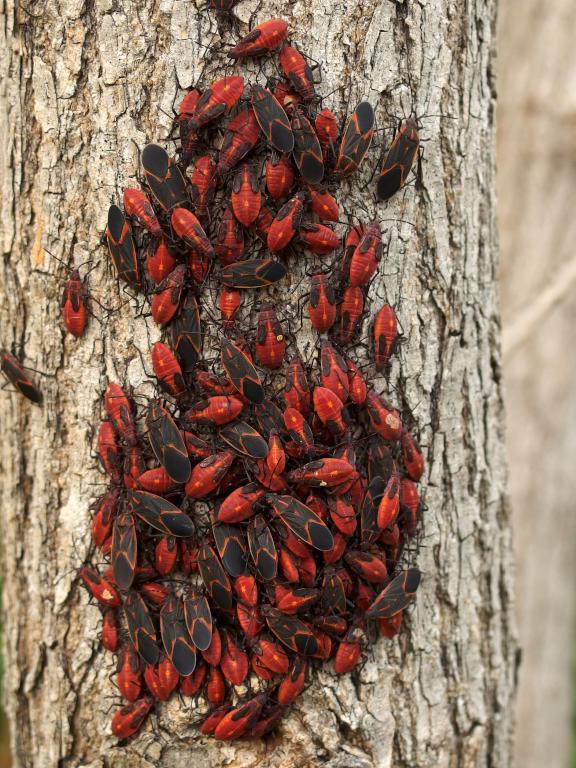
124	550
307	152
186	332
399	161
327	131
293	632
368	566
299	430
231	546
272	119
366	256
252	273
167	369
318	238
122	249
239	505
163	177
356	140
334	371
74	304
166	300
270	341
217	410
279	176
286	224
198	620
245	439
330	410
396	595
356	382
219	98
411	456
129	673
241	372
291	601
129	719
298	71
159	261
161	514
208	474
389	503
166	555
239	720
141	627
167	443
246	198
324	205
383	417
333	591
214	577
241	136
351	309
302	521
187	227
229	244
234	661
262	548
324	473
100	588
229	303
175	638
385	335
370	532
157	481
109	451
297	393
264	38
203	186
119	410
138	207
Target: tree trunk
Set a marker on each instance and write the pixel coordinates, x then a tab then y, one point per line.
83	82
538	92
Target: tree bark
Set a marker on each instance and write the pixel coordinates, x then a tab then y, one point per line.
82	83
536	194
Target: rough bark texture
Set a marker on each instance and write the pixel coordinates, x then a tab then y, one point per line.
537	156
82	81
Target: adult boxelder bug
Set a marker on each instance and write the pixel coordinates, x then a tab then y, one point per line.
141	627
356	139
295	634
302	521
272	119
161	514
198	620
164	178
262	548
307	152
167	443
121	248
175	637
245	439
270	341
253	273
241	372
396	595
186	332
297	71
399	160
124	550
264	38
214	577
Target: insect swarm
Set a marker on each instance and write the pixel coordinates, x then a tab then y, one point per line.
260	505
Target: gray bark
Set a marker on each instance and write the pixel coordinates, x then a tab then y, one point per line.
82	81
536	191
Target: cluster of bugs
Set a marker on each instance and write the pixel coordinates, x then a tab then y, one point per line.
258	507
